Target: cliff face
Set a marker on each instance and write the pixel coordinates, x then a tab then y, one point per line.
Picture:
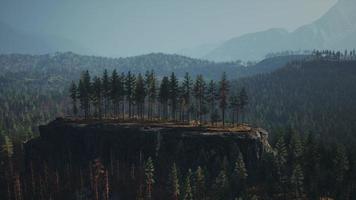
123	147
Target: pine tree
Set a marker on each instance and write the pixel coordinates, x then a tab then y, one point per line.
173	94
223	96
296	147
221	185
74	95
17	187
239	176
240	168
243	100
234	106
115	91
87	85
211	99
186	94
280	164
107	186
199	93
164	95
151	92
188	193
149	177
106	91
7	148
199	184
129	88
174	187
311	160
281	153
341	164
97	96
181	103
297	181
122	93
81	96
140	95
84	90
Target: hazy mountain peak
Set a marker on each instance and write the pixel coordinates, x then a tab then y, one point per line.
334	30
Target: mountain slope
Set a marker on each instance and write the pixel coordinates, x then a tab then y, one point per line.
34	88
248	46
335	30
312	96
70	65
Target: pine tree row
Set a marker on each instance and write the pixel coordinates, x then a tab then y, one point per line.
130	96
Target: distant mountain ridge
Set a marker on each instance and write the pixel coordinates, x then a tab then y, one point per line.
69	65
336	29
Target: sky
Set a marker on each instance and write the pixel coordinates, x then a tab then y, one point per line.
133	27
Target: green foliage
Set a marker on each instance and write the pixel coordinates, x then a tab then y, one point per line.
140	95
130	82
199	184
296	147
150	83
97	96
341	164
221	185
149	177
243	99
173	186
310	96
84	92
297	181
199	94
106	86
187	192
240	171
173	94
7	148
223	95
74	95
164	94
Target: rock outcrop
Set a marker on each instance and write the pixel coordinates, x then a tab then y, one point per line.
124	147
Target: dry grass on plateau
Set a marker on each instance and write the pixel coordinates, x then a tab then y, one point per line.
218	127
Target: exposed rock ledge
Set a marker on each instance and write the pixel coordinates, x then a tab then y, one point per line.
131	143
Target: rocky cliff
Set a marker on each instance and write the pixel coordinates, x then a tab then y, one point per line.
73	148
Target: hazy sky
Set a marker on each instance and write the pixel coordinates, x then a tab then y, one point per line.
131	27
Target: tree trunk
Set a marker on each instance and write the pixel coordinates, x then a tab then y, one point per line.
223	117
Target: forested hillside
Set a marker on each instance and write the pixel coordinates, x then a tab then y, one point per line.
70	65
308	107
34	87
313	97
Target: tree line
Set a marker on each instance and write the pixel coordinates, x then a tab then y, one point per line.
144	97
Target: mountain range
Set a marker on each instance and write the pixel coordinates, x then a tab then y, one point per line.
68	66
336	29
